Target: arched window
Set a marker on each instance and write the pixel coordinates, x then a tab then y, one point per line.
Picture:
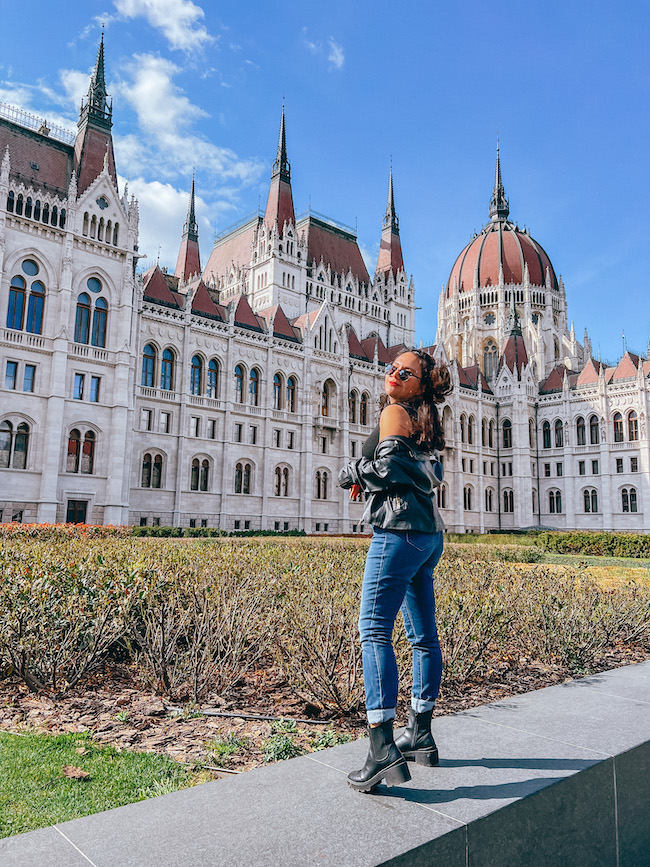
546	435
146	471
352	405
196	375
74	451
14	446
325	399
470	430
488	499
491	431
291	394
463	427
35	306
82	319
531	433
152	471
100	315
148	366
594	430
6	443
590	496
213	378
16	308
156	473
508	501
625	500
441	493
632	424
277	391
555	502
238	478
467	498
618	427
278	482
285	482
484	427
507	434
559	434
205	475
243	478
246	484
581	431
254	387
321	484
363	409
88	453
167	370
194	475
633	504
490	359
239	386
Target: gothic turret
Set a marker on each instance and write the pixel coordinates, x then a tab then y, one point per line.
94	141
279	205
499	205
189	262
390	259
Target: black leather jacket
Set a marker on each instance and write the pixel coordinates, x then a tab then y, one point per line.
400	482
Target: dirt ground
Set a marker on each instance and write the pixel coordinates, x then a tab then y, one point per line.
115	710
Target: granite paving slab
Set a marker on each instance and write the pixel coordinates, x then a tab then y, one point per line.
44	848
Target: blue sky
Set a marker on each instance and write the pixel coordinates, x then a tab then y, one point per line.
565	85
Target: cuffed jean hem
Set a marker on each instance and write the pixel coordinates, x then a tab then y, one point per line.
420	705
380	715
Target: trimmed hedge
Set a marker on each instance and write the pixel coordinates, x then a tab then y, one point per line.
595	544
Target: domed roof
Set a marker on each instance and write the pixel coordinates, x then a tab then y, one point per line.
500	243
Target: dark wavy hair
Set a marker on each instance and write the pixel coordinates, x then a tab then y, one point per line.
436	385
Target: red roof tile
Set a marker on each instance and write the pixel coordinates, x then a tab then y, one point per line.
627	366
369	348
336	247
189	260
202	303
27	147
156	288
555	380
390	257
245	317
514	354
355	348
89	152
279	205
589	372
397	349
232	248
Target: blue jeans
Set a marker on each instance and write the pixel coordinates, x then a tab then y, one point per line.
399	576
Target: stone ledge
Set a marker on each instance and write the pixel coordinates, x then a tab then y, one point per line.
557	776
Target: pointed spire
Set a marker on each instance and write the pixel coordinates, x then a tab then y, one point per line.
93	148
499	205
281	165
97	99
189	261
390	259
391	220
279	204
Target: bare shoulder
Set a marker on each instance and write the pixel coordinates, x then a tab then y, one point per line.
394	421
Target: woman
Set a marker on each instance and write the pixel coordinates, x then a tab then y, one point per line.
398	473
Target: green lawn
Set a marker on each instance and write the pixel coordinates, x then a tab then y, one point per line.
35	793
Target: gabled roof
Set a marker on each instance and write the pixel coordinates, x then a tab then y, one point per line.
589	373
555	380
301	321
369	348
627	366
475	377
28	148
204	305
334	245
157	288
355	348
281	325
514	354
244	316
397	349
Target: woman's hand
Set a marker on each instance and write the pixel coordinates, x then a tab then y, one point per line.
355	492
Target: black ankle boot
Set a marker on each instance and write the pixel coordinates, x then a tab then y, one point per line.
384	761
416	742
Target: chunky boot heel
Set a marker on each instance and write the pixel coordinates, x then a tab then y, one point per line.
416	742
384	761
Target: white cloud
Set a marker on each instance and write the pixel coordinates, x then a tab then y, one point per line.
178	20
334	52
75	84
336	56
166	145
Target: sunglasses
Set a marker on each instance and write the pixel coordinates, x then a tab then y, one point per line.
401	372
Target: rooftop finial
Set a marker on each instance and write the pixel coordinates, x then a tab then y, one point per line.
191	228
499	205
513	325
